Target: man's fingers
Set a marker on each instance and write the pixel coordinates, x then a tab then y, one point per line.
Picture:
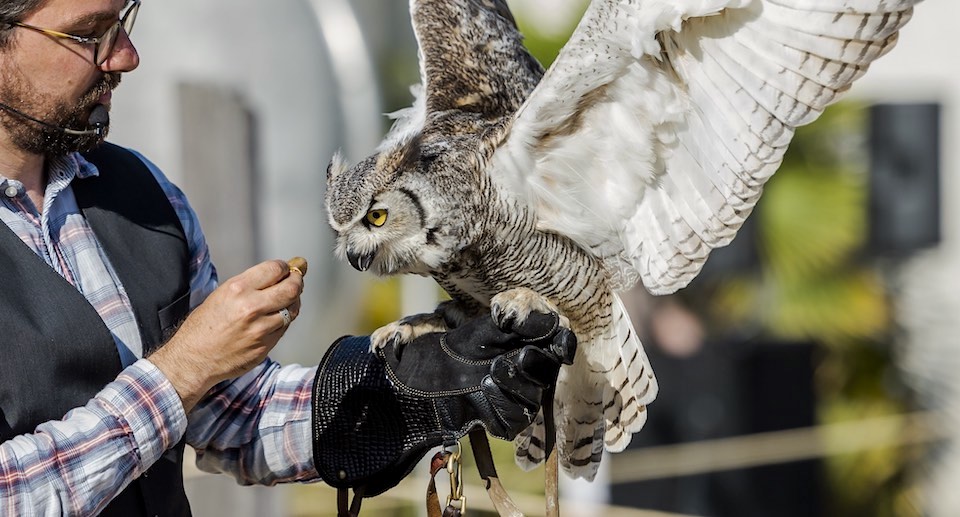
264	274
271	272
564	345
286	315
508	376
512	412
538	365
282	293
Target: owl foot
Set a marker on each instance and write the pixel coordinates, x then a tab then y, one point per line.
401	332
511	308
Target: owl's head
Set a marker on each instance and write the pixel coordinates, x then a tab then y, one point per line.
383	211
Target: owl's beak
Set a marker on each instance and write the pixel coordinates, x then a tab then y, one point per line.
360	262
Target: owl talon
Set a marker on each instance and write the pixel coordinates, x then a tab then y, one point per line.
398	347
399	333
508	322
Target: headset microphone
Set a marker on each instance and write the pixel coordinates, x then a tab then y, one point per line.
99	119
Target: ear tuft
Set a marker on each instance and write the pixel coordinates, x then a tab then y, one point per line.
336	167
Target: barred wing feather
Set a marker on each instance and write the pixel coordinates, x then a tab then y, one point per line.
650	138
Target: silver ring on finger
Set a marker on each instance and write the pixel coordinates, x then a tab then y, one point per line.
285	314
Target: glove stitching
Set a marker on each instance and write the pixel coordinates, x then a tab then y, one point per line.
477	422
436	415
465	360
427	394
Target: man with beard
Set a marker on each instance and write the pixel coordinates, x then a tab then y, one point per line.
119	345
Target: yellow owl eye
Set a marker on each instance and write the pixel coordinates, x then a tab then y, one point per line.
377	217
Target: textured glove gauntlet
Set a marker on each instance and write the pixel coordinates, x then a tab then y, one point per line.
377	414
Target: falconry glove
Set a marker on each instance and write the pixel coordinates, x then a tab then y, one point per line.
376	414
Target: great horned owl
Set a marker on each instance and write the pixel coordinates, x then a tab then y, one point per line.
643	147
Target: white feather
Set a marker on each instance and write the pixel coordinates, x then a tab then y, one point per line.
849	6
684	111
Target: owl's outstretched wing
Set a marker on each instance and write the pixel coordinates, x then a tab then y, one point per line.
472	60
650	138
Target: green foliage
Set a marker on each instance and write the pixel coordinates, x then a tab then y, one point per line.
546	46
811	220
381	303
815	284
855	383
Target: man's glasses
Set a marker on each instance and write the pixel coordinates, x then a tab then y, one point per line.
102	45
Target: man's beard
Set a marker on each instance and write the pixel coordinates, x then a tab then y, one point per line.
50	141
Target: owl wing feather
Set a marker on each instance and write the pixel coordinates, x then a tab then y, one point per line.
455	76
650	138
472	58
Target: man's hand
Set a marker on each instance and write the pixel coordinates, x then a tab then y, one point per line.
377	414
232	331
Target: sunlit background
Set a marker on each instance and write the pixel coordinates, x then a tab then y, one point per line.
811	370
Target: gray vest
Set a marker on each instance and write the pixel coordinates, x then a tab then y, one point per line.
55	351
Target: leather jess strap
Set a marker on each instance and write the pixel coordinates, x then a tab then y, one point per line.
438	463
344	508
456	503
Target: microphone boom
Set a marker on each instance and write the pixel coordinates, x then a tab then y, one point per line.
99	119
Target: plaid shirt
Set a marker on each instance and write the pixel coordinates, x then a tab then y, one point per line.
256	427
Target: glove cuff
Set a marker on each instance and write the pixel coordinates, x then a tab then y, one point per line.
365	432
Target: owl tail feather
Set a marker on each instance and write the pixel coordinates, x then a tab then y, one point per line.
529	445
630	383
600	401
578	416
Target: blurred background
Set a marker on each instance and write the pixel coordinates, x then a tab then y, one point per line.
810	370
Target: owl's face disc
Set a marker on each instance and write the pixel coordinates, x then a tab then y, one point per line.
385	217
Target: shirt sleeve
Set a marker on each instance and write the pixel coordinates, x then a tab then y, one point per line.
75	466
257	427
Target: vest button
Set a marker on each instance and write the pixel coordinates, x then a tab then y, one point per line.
11	191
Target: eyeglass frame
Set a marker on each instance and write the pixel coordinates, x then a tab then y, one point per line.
100	54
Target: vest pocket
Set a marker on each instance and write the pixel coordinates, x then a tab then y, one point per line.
172	316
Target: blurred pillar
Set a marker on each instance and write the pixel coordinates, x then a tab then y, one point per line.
220	174
220	179
904	177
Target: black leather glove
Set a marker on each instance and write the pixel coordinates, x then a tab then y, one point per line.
377	414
